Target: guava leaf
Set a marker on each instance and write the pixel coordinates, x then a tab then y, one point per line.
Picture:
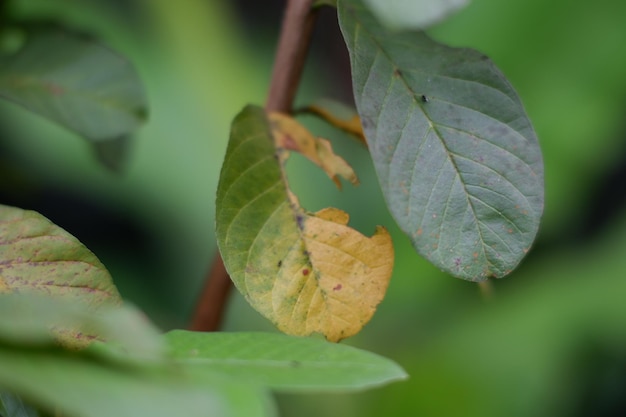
338	115
410	14
39	322
75	82
39	258
456	156
280	362
292	136
72	385
307	273
12	406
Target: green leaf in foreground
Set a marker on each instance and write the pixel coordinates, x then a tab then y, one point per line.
306	272
457	158
411	14
76	82
280	362
39	258
76	386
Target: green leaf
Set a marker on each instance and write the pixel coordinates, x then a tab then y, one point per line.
410	14
39	258
75	82
281	362
306	272
455	153
28	320
12	406
78	387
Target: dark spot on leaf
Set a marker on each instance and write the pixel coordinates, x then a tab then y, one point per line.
300	221
424	99
397	73
366	123
280	263
295	364
305	271
337	287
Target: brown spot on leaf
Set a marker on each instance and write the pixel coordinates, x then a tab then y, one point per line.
337	287
305	271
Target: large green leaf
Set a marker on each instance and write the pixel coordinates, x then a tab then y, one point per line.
411	14
281	362
39	258
75	82
456	156
306	272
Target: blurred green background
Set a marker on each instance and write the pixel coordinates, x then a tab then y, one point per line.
552	340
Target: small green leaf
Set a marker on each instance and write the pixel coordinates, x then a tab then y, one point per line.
457	158
39	258
12	406
411	14
306	272
76	82
281	362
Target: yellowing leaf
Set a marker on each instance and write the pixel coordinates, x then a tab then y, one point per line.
307	273
292	136
334	278
350	123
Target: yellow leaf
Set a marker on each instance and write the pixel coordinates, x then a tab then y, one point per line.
305	272
292	136
334	283
351	124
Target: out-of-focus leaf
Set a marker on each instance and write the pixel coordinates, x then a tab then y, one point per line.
12	406
305	272
75	386
39	258
113	153
75	82
281	362
292	136
455	153
411	14
34	321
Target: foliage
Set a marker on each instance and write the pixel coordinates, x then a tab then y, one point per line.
182	368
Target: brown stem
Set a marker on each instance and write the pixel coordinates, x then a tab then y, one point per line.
212	301
293	44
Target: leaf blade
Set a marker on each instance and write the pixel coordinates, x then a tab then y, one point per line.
266	240
39	258
76	83
456	156
280	362
413	14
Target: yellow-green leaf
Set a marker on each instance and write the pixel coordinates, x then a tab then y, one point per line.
307	273
290	135
39	258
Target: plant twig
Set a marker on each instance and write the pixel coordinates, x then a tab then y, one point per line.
293	43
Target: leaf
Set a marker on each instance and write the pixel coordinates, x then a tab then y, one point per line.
75	82
292	136
76	386
455	153
305	272
39	258
411	14
281	362
340	116
12	406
